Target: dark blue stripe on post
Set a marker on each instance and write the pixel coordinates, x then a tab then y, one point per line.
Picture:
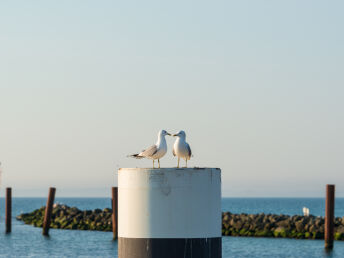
170	247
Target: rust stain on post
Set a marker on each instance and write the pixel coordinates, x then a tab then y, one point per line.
48	211
114	212
8	210
329	216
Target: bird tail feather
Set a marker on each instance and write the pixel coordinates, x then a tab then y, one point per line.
135	156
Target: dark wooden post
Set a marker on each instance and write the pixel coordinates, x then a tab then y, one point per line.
48	211
329	216
8	209
114	211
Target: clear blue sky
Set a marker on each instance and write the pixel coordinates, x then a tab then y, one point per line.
256	85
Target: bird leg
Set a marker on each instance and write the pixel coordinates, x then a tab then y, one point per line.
153	163
159	162
178	163
186	163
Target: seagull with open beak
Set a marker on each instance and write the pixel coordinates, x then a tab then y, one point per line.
156	151
181	148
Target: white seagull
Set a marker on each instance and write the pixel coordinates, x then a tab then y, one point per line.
181	148
156	151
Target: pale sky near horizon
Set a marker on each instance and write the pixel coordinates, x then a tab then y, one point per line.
256	85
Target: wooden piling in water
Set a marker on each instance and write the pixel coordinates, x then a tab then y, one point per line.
48	211
329	216
8	218
114	211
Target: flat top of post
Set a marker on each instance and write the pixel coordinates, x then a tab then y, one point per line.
169	169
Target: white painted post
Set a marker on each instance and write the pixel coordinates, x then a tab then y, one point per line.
169	212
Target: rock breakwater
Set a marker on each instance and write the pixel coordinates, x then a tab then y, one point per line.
252	225
65	217
271	225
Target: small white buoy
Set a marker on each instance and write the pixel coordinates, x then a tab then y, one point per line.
305	211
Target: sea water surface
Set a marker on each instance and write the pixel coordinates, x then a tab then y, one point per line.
27	241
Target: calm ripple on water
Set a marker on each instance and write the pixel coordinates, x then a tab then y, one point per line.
27	241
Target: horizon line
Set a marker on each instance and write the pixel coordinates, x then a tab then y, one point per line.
232	197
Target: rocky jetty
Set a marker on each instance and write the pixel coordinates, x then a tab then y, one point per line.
252	225
271	225
65	217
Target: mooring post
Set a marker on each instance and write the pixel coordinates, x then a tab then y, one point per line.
48	211
114	211
329	216
8	209
169	213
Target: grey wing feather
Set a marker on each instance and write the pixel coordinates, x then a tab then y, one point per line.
149	152
189	150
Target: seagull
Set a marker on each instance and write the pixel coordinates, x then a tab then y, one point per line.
156	151
181	148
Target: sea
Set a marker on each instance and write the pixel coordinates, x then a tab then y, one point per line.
27	241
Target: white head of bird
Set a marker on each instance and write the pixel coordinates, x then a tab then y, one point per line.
180	134
163	133
161	143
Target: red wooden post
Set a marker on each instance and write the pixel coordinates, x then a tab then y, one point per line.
114	212
48	211
8	209
329	216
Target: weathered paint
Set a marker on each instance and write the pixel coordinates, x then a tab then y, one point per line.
168	212
169	203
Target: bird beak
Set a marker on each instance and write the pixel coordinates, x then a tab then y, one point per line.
168	134
174	134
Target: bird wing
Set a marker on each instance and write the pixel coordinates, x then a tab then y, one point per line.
189	150
149	152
